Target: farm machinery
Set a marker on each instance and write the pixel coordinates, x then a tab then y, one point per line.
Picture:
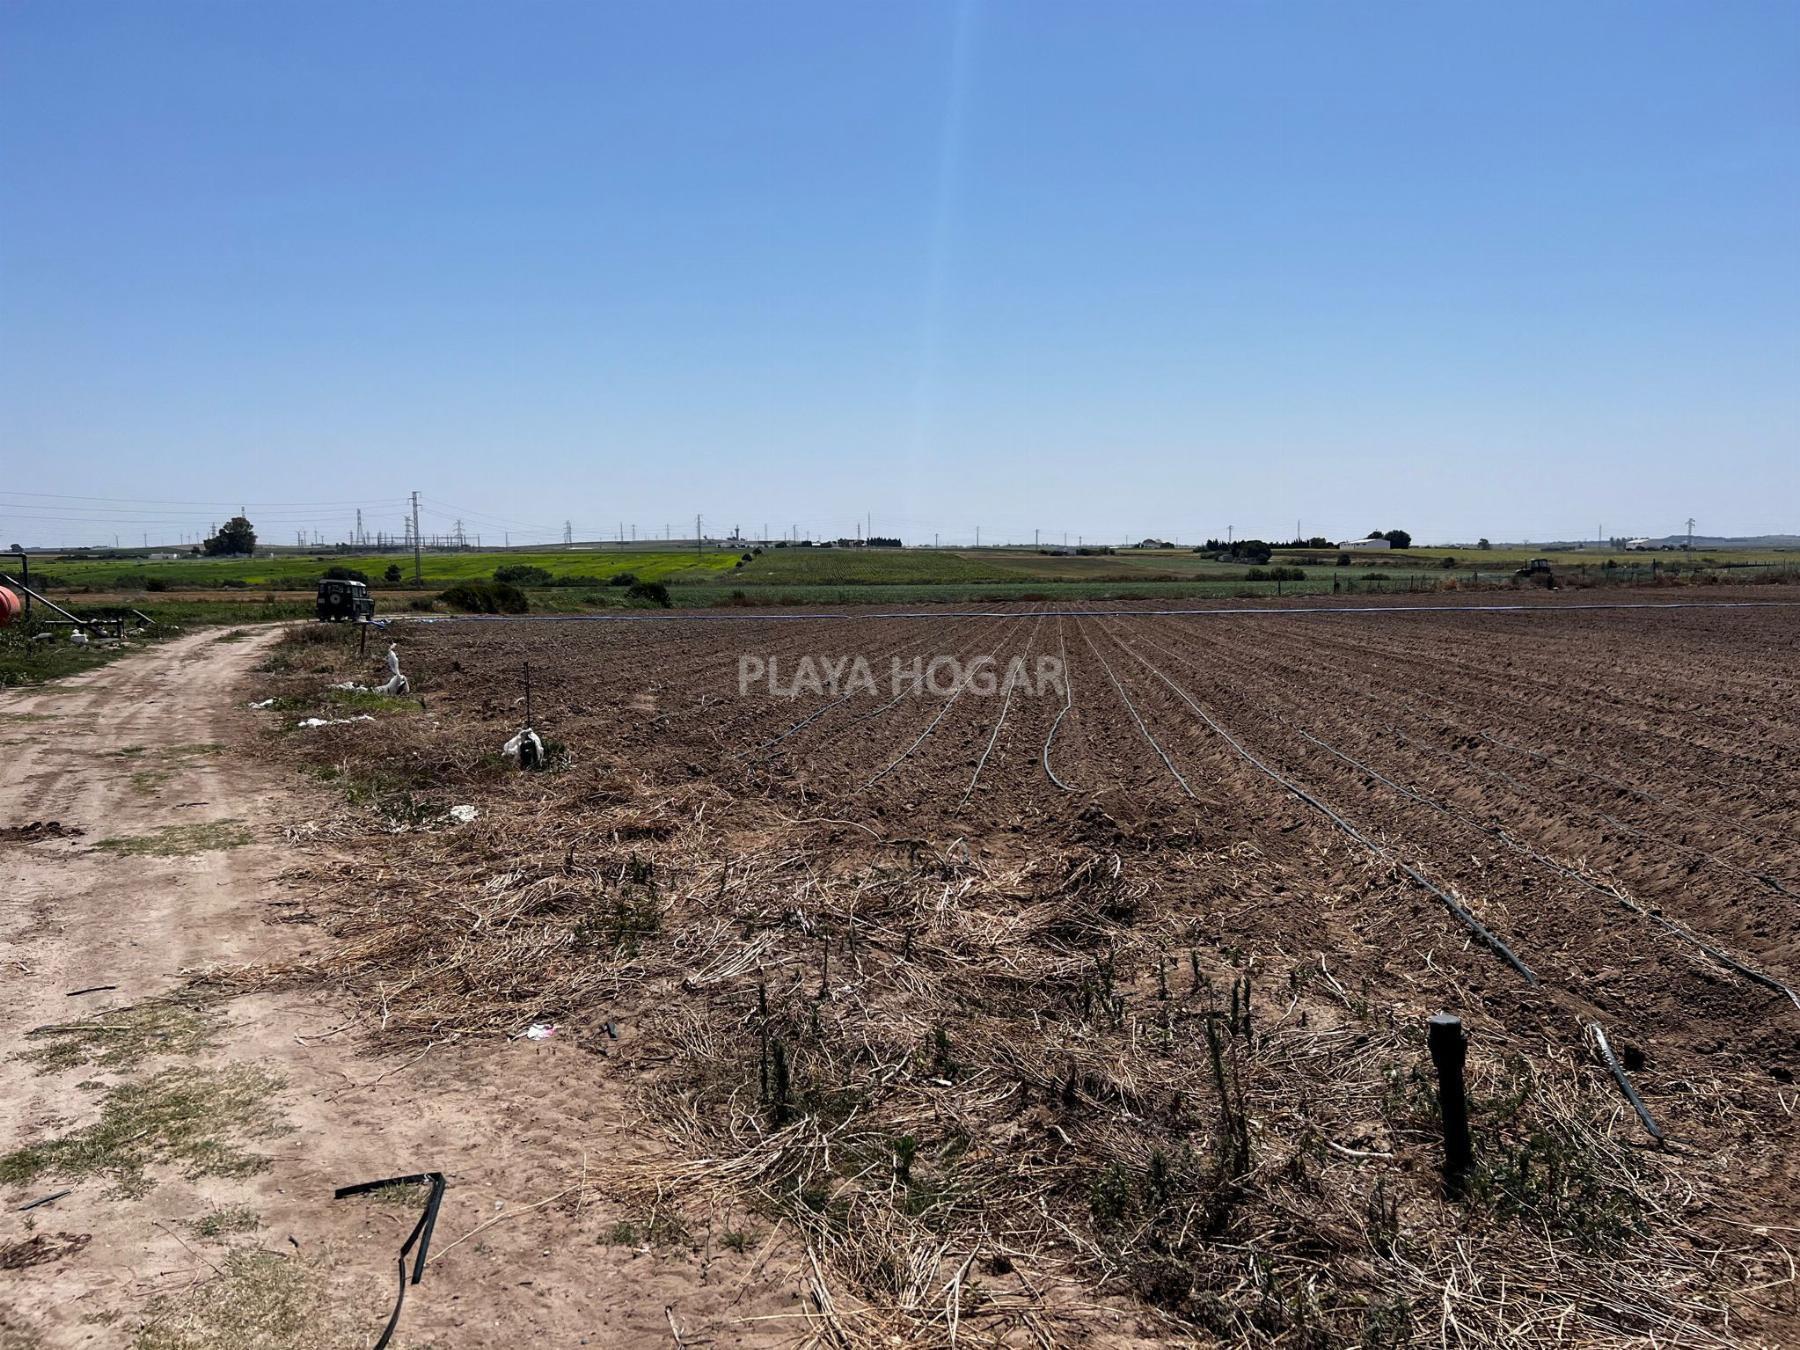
1537	572
343	601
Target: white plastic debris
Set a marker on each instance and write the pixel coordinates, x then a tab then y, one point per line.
393	660
397	684
309	722
540	1031
526	749
264	703
462	815
79	638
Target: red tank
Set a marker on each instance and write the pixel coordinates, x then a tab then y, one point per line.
9	607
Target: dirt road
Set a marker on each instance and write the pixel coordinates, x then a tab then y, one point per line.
193	1141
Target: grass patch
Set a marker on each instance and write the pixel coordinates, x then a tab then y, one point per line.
147	781
124	1037
221	1223
261	1301
174	841
187	1118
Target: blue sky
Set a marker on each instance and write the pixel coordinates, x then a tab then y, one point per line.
1117	269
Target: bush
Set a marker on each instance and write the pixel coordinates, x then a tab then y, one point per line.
393	574
486	597
341	573
649	593
423	603
155	584
1343	560
521	574
623	579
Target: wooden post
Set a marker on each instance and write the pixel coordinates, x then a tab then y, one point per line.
362	639
1449	1049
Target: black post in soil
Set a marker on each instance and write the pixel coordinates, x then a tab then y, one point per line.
1449	1049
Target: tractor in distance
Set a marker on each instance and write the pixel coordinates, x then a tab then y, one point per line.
1538	573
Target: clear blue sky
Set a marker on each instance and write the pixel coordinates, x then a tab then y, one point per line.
1112	268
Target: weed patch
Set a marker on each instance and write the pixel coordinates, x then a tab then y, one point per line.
192	1119
262	1301
174	841
220	1223
125	1037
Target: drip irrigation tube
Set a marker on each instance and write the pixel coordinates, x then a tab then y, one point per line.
1619	1076
1457	909
949	703
1524	849
421	1234
1068	702
1132	709
695	616
1004	709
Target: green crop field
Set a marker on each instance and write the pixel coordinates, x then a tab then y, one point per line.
301	571
868	567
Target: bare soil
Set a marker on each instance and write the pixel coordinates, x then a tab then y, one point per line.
147	851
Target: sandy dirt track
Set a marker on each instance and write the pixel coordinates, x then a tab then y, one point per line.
157	743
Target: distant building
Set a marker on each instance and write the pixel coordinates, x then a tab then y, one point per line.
1639	546
1362	545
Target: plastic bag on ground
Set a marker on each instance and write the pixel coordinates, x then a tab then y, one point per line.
526	749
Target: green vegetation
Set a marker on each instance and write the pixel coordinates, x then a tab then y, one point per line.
193	1119
260	1301
123	1038
224	1222
576	580
301	571
174	841
486	597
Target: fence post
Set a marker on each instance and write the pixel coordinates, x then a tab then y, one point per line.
1449	1050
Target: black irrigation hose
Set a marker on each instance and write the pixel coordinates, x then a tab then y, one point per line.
761	750
1482	934
1624	1082
421	1234
942	712
1068	702
1569	766
1519	846
1004	708
693	616
1132	709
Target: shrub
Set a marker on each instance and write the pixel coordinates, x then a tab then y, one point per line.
392	575
522	574
422	603
649	593
486	597
623	579
342	573
155	584
1343	560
